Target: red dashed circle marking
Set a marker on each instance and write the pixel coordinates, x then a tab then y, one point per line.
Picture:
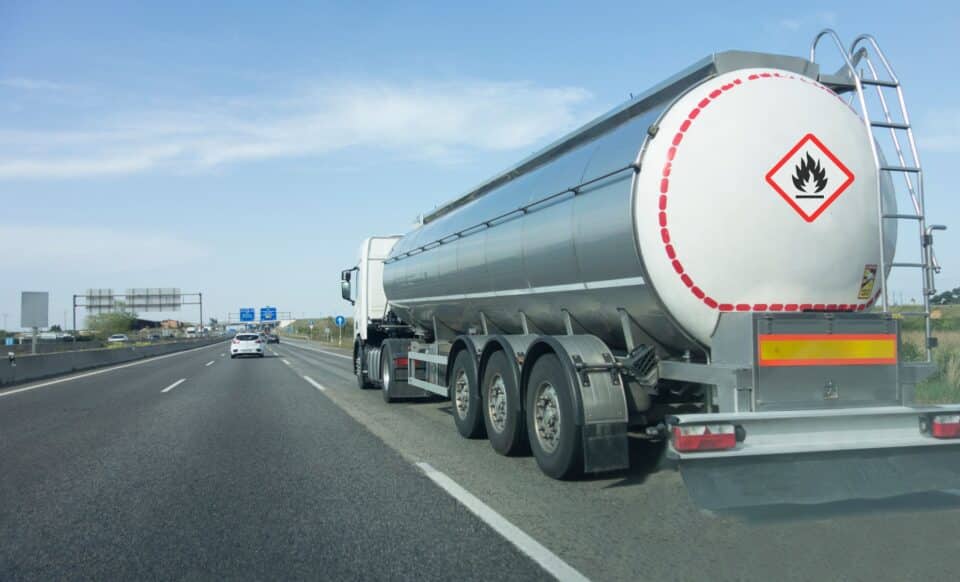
665	230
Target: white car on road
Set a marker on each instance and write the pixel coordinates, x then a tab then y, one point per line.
247	344
117	338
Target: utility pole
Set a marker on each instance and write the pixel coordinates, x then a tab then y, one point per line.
5	320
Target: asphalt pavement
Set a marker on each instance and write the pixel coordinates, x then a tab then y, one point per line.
282	468
243	470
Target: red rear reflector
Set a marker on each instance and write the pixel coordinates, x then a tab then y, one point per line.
704	437
945	426
400	362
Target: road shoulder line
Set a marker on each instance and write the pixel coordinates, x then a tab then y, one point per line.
546	559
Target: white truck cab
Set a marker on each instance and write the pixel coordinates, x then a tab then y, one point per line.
363	284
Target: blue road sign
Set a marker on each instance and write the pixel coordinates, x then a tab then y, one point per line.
268	314
340	321
8	341
247	314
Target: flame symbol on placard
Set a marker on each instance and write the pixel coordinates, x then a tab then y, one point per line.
810	168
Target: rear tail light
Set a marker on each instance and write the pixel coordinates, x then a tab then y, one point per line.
236	341
400	362
945	426
259	341
704	437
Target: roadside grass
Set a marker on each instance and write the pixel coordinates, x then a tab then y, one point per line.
347	340
944	386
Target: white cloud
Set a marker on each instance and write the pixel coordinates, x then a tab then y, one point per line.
93	250
812	21
426	120
792	24
31	84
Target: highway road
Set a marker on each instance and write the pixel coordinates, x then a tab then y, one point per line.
198	466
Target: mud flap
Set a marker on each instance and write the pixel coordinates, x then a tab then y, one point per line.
810	478
605	447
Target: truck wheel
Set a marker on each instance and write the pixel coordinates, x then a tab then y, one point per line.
362	381
464	394
386	372
551	426
502	413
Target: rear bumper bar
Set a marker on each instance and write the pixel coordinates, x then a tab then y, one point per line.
820	431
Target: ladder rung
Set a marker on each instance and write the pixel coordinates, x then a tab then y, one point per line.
889	124
903	216
900	169
914	265
878	82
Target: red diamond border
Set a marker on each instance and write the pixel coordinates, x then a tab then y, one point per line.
788	198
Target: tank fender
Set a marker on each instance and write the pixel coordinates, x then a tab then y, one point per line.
601	402
516	347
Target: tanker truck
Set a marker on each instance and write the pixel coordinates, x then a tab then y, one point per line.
706	266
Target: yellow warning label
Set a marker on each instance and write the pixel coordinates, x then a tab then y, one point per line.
867	282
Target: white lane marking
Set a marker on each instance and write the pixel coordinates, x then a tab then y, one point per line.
210	363
315	383
286	362
526	544
302	347
221	355
101	371
174	385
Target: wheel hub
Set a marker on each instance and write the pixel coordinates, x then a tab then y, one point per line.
461	390
497	403
546	417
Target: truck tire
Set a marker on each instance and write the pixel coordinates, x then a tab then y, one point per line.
551	424
502	410
362	381
386	372
465	396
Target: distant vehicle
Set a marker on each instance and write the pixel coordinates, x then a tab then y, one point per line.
117	338
273	338
154	337
247	344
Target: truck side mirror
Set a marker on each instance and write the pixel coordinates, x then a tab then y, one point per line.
345	285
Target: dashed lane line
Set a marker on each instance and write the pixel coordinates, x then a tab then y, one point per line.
174	385
100	371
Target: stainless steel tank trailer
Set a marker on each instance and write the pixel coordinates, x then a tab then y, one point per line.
705	265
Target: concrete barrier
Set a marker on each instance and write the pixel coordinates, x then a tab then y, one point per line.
29	368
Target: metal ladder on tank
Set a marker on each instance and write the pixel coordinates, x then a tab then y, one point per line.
884	81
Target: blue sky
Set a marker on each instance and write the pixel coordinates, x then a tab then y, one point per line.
245	149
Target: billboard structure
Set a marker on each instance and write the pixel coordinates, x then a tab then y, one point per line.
97	301
34	307
154	299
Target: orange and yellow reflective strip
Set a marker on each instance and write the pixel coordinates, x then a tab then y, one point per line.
827	350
